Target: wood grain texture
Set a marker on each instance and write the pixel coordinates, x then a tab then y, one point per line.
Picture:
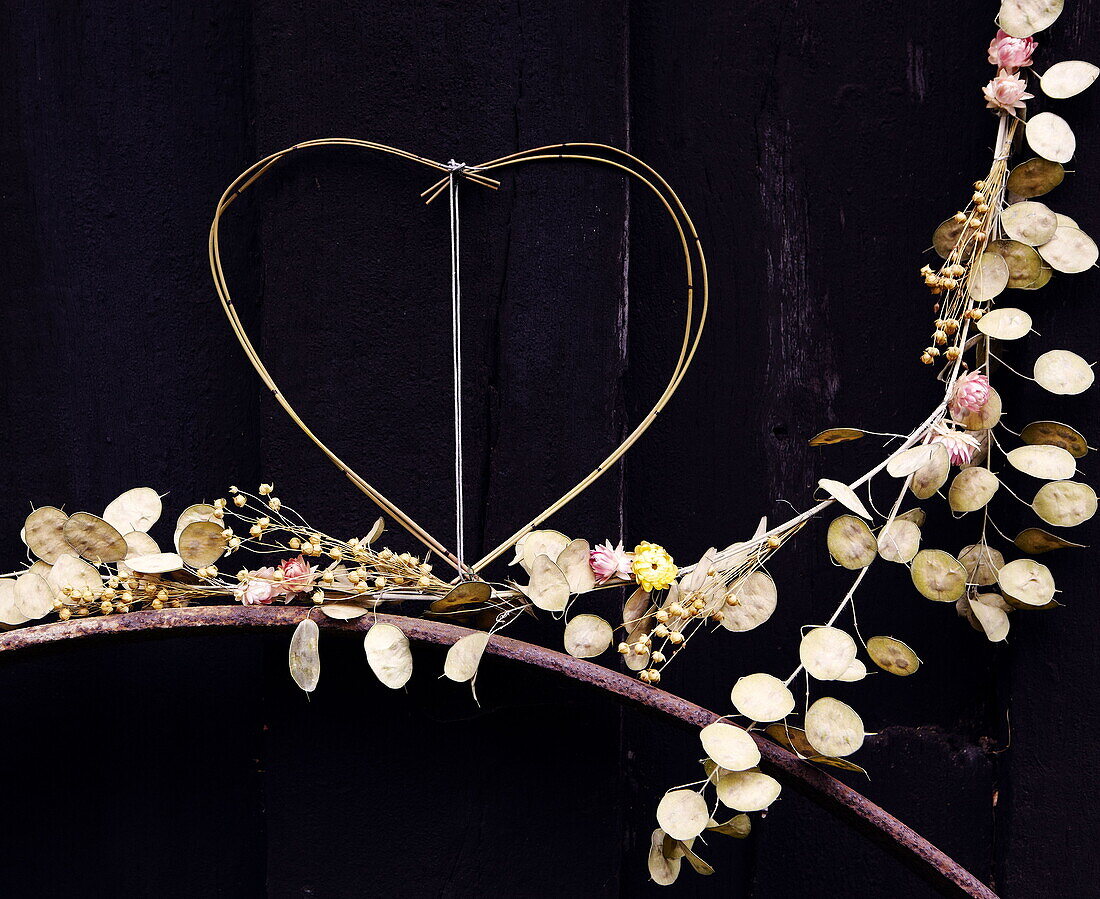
816	145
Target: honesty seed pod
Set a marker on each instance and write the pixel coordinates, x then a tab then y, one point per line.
938	576
851	542
762	697
893	656
1065	503
972	489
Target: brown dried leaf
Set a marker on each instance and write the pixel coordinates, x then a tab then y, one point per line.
1054	433
1036	541
835	435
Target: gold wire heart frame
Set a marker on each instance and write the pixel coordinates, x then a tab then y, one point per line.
694	261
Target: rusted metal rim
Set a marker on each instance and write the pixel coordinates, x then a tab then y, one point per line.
852	808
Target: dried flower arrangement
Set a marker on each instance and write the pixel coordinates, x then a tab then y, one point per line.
1002	238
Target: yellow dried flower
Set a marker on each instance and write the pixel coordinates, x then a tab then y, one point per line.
653	567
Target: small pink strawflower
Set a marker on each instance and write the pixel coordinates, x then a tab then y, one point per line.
298	575
970	394
1007	92
609	562
258	588
1011	53
960	446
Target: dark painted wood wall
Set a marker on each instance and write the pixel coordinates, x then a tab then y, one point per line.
816	144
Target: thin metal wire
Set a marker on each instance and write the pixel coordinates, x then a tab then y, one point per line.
456	344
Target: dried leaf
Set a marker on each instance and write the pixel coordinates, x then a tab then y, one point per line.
1036	541
1030	222
1063	373
549	587
155	563
201	543
1051	137
467	593
637	611
541	543
9	611
138	543
375	532
747	791
915	515
683	814
33	596
739	826
44	533
731	747
851	542
835	435
94	539
844	495
762	697
898	541
1027	581
990	617
662	869
893	656
69	571
938	576
1067	79
587	636
1035	177
1071	251
135	510
749	602
910	460
946	236
1023	18
344	611
1054	433
988	276
856	671
1051	463
305	658
389	655
1005	324
575	565
827	652
1065	504
464	657
833	728
197	512
972	489
982	562
931	477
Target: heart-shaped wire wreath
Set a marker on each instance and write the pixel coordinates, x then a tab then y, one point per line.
90	568
694	264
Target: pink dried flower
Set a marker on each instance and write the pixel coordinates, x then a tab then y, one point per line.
960	446
609	562
1007	92
258	588
298	575
1011	53
970	394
